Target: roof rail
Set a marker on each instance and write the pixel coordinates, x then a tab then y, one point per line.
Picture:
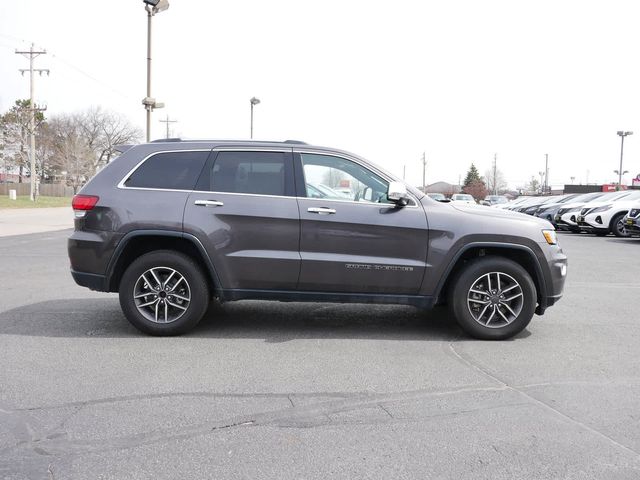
296	142
123	147
165	140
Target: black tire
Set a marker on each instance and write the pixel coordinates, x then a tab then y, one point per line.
511	273
617	227
196	283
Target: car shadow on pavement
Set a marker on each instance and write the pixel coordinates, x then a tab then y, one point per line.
275	322
626	240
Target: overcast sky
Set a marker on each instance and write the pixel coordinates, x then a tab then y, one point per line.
460	80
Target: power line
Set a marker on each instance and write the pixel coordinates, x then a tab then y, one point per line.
72	66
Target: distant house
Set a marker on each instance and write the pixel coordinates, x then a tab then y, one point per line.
444	188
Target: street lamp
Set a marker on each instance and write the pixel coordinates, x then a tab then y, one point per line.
152	7
253	101
621	134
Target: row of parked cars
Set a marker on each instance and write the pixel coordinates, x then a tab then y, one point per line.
600	213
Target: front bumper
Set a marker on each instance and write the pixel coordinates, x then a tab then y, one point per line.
592	223
565	223
555	276
632	225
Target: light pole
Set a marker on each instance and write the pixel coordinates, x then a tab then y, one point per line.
253	101
621	134
546	173
152	7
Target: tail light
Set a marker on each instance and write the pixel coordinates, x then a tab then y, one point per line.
83	203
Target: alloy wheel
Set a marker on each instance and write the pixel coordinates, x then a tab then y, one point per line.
495	299
162	295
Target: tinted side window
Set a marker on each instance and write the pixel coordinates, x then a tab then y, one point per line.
171	170
260	173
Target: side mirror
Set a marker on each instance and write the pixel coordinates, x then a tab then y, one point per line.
397	193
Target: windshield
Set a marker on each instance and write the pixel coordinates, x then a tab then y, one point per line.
463	197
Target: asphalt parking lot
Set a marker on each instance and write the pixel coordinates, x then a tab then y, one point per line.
291	391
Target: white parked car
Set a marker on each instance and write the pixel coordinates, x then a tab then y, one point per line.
565	217
606	215
463	198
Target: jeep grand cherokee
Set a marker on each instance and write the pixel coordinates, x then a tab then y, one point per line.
171	225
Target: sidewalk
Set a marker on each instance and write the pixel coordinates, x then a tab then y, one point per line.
21	221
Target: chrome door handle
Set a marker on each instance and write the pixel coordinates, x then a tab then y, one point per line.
321	210
208	203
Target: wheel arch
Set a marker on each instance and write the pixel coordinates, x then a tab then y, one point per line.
139	242
520	254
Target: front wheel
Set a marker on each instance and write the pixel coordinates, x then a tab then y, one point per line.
164	293
617	226
493	298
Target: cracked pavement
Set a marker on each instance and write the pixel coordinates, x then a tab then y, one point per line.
273	390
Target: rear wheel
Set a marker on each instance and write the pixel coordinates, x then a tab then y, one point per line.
493	298
164	293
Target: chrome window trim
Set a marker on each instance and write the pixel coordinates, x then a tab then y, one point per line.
122	186
268	149
243	194
353	202
353	159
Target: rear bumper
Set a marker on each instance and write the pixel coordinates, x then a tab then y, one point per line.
90	280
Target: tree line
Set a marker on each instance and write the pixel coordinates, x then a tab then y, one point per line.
70	147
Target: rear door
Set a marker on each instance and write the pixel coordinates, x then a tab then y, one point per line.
352	239
245	214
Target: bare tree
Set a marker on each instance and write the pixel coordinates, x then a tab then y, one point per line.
73	156
103	131
79	144
495	180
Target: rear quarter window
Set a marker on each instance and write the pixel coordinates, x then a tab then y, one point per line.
169	170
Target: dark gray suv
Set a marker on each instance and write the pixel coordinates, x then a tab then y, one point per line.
171	225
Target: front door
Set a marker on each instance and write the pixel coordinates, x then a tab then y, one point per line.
352	239
245	214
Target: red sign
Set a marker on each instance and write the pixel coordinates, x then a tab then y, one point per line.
613	187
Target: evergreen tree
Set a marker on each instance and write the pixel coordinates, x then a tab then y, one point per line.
472	176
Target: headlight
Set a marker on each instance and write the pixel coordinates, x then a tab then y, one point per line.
550	236
604	208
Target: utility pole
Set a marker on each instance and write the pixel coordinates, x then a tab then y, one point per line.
404	172
546	173
167	122
424	172
31	55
